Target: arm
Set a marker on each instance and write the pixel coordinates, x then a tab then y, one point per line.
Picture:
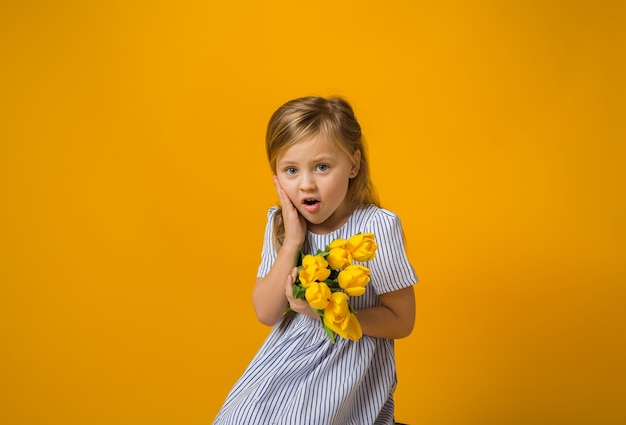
393	318
269	294
392	278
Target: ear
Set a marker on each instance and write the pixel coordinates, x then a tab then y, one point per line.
356	164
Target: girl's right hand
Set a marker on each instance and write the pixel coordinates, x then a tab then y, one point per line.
297	305
295	224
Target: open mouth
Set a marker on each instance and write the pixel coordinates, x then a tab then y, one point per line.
311	205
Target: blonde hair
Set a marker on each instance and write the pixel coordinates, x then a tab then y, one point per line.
331	118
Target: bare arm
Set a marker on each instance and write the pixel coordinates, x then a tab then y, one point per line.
393	318
269	296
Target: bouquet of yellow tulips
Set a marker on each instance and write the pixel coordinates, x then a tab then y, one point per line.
326	279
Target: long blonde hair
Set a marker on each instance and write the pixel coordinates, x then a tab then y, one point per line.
331	118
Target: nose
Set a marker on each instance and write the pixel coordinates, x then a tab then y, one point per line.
307	182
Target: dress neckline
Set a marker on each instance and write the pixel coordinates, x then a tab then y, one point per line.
335	233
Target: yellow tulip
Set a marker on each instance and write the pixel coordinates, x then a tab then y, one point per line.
318	295
338	243
362	246
339	319
338	256
314	268
353	279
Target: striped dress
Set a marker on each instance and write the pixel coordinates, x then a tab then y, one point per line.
298	377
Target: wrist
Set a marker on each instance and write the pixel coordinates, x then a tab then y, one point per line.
291	247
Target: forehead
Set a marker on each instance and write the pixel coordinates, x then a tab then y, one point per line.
310	149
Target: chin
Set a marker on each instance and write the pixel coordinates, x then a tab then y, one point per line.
313	220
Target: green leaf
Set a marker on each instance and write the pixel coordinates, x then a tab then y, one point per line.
298	292
329	332
332	284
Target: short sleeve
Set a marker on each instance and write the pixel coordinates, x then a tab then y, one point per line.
268	253
390	269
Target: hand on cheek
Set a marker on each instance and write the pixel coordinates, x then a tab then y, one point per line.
295	225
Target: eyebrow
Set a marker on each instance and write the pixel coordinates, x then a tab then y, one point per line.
314	160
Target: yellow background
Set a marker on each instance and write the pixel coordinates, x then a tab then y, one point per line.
134	187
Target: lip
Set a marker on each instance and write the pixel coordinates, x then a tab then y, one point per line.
311	208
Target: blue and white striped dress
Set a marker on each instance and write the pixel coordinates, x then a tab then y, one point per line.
298	377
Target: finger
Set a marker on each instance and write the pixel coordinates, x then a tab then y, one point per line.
289	287
276	183
282	196
291	278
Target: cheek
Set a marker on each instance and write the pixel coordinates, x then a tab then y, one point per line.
284	183
288	187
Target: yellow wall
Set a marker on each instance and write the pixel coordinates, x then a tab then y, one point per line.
133	191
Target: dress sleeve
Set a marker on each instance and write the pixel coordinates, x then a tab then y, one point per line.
390	269
268	253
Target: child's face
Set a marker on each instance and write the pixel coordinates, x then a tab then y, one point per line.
315	176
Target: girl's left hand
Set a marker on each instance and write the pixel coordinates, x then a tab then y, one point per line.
299	306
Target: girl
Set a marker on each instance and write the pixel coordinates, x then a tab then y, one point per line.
322	178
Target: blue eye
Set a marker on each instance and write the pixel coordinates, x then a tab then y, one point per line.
322	167
291	170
